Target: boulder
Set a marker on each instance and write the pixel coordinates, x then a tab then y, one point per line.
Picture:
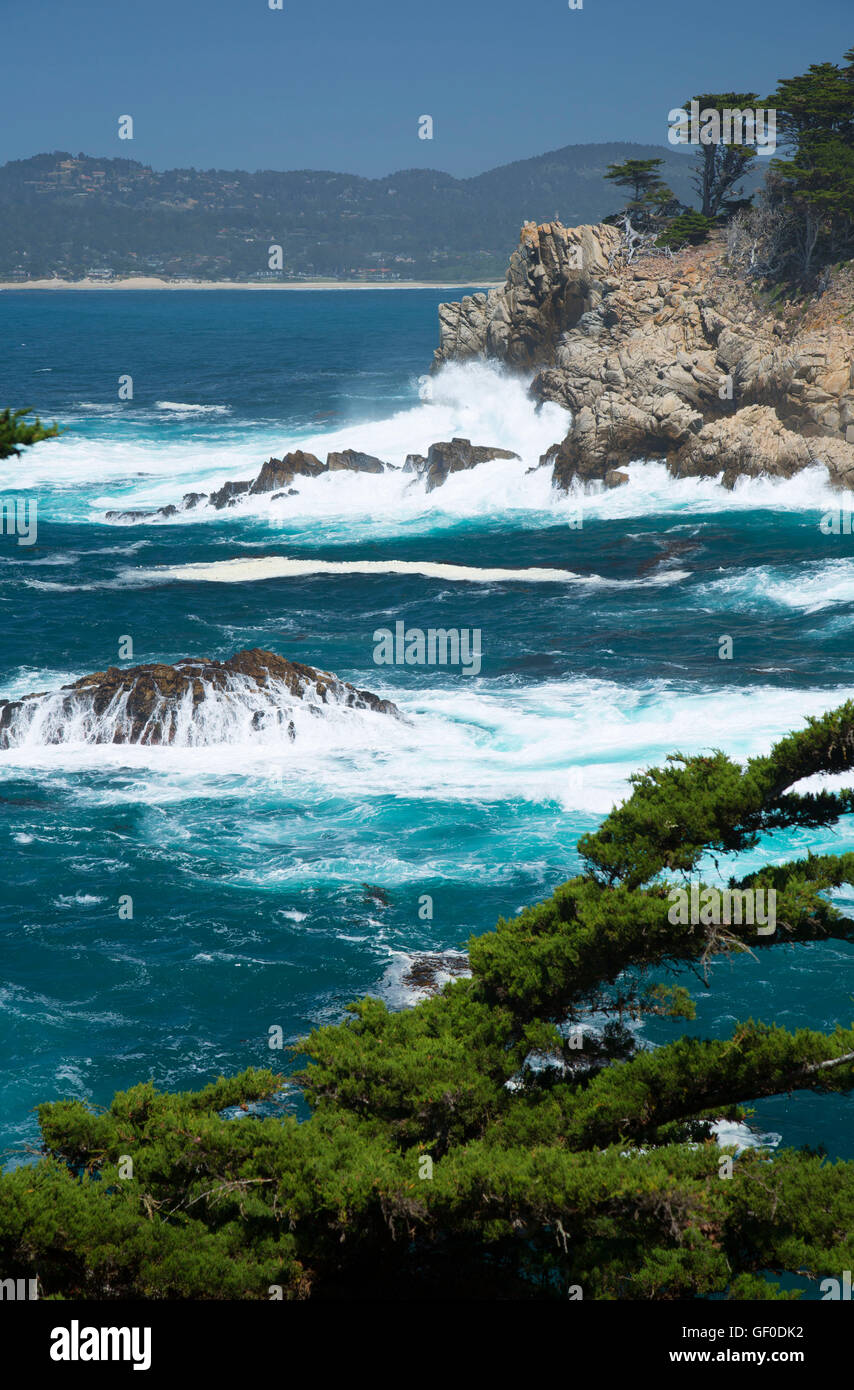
279	473
355	462
451	456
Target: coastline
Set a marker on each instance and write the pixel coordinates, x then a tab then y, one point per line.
146	282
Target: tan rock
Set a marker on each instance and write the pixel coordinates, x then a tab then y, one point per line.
688	366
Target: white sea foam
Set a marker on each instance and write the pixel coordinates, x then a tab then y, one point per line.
571	743
187	408
729	1133
243	571
477	400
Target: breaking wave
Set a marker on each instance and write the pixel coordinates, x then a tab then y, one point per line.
808	588
570	743
146	467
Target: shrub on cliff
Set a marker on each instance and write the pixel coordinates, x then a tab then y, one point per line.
491	1140
689	228
651	203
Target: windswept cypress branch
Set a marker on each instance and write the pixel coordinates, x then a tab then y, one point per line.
825	745
537	1178
629	1103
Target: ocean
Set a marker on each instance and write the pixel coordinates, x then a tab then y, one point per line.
253	865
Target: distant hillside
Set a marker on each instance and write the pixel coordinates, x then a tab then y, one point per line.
67	215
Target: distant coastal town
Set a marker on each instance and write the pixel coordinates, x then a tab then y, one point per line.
101	220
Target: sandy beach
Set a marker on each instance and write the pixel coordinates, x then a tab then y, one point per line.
145	282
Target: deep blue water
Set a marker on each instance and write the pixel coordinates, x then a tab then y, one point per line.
246	865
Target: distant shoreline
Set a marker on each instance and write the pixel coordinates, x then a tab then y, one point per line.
144	282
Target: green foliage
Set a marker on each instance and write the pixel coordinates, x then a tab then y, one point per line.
689	227
16	435
547	1166
721	167
816	120
72	213
638	174
652	201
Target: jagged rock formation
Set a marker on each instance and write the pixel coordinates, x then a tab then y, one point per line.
451	457
196	701
556	275
280	473
674	358
276	477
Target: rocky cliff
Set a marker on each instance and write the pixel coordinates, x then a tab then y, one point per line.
667	357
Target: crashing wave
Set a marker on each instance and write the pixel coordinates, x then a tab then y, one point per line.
252	697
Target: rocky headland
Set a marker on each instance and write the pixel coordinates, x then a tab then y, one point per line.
667	357
675	357
194	701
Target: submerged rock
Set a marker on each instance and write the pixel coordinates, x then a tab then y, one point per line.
428	974
196	701
376	895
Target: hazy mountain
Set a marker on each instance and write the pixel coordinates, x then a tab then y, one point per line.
65	214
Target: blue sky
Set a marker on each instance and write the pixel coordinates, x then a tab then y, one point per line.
327	84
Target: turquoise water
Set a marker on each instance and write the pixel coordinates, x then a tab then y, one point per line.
247	863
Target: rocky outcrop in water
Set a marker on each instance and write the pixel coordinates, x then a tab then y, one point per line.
280	473
453	456
277	475
428	974
194	701
668	358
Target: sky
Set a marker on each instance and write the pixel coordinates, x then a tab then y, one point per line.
332	84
